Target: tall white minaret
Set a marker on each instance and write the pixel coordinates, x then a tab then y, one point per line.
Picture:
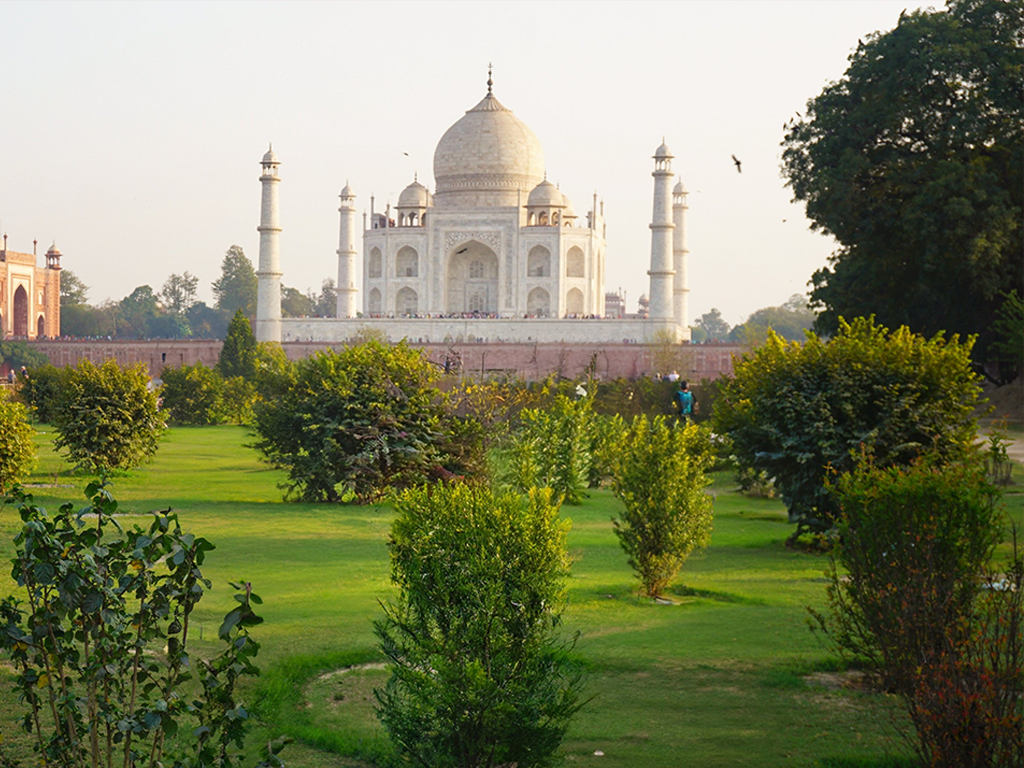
680	253
268	301
347	254
661	271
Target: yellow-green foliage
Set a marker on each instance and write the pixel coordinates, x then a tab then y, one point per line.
17	452
106	416
660	478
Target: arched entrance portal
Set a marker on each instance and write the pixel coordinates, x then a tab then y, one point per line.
472	279
21	311
41	328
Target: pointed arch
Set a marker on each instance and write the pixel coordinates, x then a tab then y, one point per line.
21	311
406	302
574	302
407	262
41	327
538	262
375	268
373	305
538	302
575	263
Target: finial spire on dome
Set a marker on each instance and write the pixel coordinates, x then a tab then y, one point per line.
490	82
415	176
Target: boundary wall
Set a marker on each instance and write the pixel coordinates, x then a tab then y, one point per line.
529	361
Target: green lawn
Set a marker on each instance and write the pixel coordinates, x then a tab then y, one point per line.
721	678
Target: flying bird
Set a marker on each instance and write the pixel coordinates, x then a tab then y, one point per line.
406	154
463	250
739	168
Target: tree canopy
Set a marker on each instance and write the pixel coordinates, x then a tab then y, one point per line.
798	411
238	355
179	292
914	162
789	321
72	290
237	286
712	325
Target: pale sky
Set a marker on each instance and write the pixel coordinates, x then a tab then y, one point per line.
131	133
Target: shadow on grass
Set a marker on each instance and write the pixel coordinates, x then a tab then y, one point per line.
279	702
718	597
869	762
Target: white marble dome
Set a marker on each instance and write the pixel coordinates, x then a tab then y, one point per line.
487	159
545	194
414	196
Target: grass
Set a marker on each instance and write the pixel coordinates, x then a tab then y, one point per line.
722	677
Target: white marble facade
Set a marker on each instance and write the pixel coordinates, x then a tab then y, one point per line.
495	249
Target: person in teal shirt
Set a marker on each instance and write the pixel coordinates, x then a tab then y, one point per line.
684	400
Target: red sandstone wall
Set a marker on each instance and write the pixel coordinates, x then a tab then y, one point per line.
528	361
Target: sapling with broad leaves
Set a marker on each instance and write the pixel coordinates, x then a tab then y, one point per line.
100	642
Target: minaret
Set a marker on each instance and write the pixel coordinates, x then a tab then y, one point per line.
681	286
347	254
268	302
661	271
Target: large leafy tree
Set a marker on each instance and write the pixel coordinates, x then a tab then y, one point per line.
712	325
135	312
73	291
479	678
237	286
914	162
353	424
798	411
789	321
179	292
295	303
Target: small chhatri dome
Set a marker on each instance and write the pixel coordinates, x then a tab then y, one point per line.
663	152
679	189
546	195
346	191
414	196
53	250
270	158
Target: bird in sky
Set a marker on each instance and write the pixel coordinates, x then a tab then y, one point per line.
463	250
406	154
739	165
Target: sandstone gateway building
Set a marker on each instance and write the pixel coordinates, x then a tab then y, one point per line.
496	252
29	295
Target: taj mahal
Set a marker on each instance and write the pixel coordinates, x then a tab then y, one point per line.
496	252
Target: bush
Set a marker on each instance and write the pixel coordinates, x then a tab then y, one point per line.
478	678
106	417
193	394
796	411
355	424
101	646
17	451
913	549
41	392
239	400
660	478
552	448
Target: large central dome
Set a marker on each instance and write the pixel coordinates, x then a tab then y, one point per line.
486	158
